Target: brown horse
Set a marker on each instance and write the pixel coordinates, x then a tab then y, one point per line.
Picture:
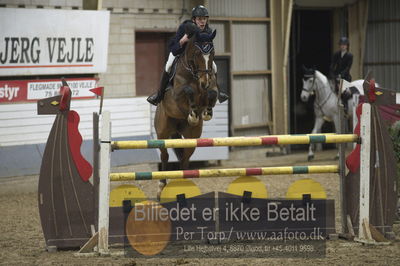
190	100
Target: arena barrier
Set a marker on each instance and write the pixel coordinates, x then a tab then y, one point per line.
107	146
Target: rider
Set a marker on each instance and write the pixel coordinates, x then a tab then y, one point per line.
340	67
342	61
199	22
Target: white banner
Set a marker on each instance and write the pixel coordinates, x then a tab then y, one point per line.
44	41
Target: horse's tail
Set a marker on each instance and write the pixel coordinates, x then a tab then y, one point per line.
178	151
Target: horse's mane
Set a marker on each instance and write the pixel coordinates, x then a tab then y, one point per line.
321	77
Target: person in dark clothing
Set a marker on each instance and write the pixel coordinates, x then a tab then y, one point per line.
340	68
341	62
198	23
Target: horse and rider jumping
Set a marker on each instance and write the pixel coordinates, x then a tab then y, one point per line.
198	23
182	107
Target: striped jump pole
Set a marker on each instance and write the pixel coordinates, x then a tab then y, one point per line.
207	173
234	141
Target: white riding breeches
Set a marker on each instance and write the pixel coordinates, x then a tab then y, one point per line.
171	59
215	67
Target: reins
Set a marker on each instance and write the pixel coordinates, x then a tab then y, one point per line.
193	71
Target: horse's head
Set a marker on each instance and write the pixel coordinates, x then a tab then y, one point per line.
308	83
200	56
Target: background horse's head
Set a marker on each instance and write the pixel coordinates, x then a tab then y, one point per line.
309	83
200	57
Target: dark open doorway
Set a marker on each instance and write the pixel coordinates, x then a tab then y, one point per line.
311	38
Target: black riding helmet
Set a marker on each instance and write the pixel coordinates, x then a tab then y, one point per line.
344	40
199	11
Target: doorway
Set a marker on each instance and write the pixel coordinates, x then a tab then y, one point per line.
151	52
310	45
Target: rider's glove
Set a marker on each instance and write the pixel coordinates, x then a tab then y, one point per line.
190	29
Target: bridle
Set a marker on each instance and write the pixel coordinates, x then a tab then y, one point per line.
316	92
310	90
209	47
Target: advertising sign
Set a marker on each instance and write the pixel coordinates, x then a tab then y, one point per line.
43	41
33	90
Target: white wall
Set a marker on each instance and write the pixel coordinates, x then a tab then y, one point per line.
20	124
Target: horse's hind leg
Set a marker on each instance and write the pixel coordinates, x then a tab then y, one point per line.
183	154
212	100
164	163
336	121
189	133
187	153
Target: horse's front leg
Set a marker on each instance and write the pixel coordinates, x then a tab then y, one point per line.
193	117
319	121
164	167
212	100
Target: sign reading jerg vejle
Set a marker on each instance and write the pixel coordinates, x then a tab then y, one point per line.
36	42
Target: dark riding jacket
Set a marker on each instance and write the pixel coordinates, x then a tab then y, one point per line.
341	65
174	44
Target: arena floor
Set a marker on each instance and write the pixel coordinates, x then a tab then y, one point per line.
22	243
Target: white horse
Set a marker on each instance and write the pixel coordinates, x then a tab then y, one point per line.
326	101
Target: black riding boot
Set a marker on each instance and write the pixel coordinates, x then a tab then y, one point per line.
157	97
222	96
345	97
